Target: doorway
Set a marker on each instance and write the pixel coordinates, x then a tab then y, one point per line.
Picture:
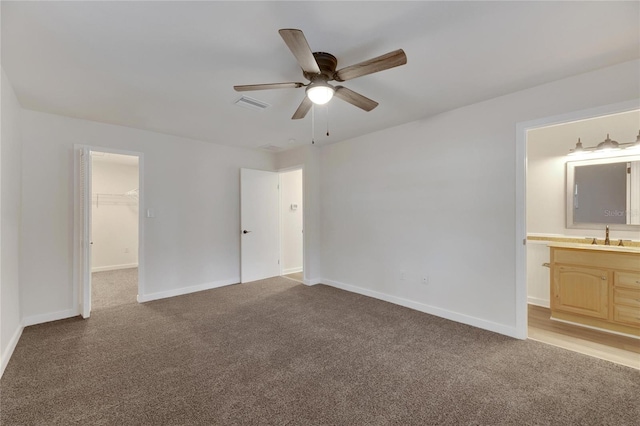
108	227
291	225
115	196
542	156
271	224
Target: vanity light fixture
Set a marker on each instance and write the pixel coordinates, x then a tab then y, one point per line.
579	149
606	145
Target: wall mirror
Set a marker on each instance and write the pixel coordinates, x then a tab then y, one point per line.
604	191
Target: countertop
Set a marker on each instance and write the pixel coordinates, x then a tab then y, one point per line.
595	247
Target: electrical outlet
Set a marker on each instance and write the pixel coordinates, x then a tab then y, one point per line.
403	276
425	279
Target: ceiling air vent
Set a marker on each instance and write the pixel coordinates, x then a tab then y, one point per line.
271	147
250	103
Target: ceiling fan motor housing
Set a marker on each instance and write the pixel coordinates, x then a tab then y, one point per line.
327	64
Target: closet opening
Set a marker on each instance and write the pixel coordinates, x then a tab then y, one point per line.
115	208
108	253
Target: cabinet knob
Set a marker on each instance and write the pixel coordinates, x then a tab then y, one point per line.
604	278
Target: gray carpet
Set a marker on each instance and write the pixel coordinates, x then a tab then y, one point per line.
114	288
278	352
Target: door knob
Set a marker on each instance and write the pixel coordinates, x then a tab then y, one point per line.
245	231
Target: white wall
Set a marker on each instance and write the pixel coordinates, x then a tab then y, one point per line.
538	275
10	205
547	150
114	217
291	221
192	243
437	198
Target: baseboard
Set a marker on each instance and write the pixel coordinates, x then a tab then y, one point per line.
291	270
53	316
428	309
6	355
538	302
312	281
114	267
186	290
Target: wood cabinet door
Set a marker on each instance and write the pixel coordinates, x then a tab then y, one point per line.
580	290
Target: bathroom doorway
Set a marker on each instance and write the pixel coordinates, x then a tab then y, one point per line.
544	154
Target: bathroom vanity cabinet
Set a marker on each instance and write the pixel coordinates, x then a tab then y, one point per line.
596	286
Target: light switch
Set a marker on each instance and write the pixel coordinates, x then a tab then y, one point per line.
151	213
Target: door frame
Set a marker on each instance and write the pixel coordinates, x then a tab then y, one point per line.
82	284
521	194
304	213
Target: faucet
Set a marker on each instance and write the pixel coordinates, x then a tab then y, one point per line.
607	242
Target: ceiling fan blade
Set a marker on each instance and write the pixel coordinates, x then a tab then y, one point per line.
303	109
250	87
381	63
298	45
355	98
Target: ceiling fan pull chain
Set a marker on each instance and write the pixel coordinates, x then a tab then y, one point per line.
313	123
327	120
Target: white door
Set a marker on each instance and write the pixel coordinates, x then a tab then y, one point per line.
259	225
84	189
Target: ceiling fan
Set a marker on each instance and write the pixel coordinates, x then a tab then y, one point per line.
320	68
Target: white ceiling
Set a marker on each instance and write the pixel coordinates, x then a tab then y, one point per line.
170	67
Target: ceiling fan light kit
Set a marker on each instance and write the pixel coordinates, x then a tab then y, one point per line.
320	93
320	68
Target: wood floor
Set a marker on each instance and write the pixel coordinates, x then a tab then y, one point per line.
612	347
295	276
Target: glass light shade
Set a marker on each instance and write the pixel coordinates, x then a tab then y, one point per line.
578	149
608	144
320	94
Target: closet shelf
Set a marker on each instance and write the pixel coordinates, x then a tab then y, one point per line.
129	198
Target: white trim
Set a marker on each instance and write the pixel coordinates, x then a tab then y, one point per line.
521	195
186	290
6	356
521	232
52	316
114	267
428	309
538	302
312	281
594	328
292	270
